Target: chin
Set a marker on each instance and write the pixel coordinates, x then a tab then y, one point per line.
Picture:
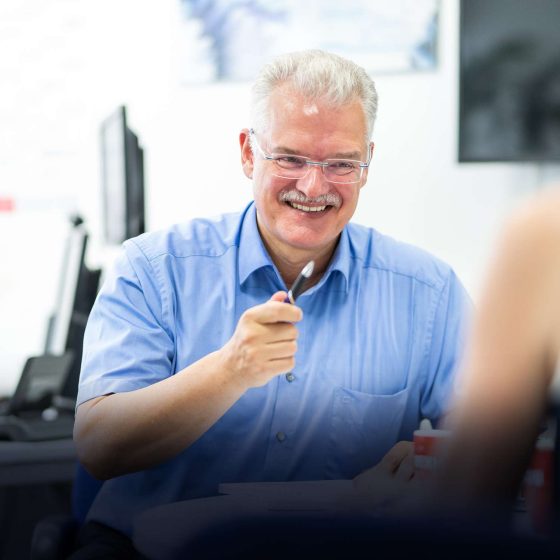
308	242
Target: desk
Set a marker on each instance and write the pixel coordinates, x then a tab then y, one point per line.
313	520
301	536
38	462
35	482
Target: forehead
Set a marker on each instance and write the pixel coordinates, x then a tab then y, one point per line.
297	121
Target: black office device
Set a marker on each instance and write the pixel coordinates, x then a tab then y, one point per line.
77	290
42	406
509	80
32	414
122	160
43	378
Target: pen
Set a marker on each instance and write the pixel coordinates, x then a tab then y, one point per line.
297	286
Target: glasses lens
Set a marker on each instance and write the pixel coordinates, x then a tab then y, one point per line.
336	170
343	171
290	162
290	167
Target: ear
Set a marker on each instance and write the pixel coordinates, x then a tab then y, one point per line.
370	156
246	153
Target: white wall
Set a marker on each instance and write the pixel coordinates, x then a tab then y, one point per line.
65	65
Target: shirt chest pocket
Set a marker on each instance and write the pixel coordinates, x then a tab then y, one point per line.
363	428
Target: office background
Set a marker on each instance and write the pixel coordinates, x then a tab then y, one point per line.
65	65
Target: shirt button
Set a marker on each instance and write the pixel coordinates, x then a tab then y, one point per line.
290	377
280	436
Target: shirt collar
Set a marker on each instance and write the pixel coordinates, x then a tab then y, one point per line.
254	256
252	252
341	259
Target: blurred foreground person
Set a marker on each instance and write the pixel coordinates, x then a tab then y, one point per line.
509	372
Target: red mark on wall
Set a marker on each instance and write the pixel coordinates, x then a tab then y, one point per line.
7	204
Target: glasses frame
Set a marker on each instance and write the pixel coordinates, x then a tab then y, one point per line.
309	162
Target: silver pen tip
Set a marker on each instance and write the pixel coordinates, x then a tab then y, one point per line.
308	269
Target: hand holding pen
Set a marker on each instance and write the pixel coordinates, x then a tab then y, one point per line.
264	343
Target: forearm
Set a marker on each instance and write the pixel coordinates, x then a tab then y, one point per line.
127	432
131	431
507	375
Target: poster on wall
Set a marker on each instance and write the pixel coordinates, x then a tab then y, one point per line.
229	40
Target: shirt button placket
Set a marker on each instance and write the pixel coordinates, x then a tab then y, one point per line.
290	377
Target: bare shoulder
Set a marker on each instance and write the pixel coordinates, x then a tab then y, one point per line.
532	240
540	217
532	234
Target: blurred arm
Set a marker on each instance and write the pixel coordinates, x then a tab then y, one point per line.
512	356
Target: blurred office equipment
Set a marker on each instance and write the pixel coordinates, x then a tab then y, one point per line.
37	454
122	160
55	536
509	80
77	291
35	484
42	406
32	413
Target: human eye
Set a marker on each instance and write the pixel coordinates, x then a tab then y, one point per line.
289	162
343	166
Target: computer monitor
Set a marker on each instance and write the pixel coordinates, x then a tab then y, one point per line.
509	81
77	290
122	160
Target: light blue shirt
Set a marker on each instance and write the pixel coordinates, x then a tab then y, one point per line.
381	336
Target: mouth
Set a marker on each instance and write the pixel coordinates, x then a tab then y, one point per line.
309	209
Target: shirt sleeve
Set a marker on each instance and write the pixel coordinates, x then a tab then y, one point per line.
126	343
445	348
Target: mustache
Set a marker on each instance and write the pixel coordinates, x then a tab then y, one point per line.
293	195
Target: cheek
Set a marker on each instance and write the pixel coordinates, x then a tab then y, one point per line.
349	203
268	188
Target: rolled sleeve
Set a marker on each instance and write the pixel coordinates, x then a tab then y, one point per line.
126	344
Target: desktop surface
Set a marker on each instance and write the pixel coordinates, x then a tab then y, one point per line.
309	520
35	427
38	462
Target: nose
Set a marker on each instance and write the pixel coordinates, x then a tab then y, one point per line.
314	183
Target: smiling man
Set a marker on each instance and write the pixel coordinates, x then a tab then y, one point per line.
195	371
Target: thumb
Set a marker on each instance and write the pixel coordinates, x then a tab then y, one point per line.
279	296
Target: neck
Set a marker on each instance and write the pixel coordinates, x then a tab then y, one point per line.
290	261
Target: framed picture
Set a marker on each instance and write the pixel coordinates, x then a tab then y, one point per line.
225	40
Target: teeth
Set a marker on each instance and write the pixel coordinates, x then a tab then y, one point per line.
308	208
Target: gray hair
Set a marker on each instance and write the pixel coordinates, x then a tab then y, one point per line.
315	74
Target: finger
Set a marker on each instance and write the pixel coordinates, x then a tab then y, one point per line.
274	312
405	470
279	332
281	350
282	365
396	456
279	296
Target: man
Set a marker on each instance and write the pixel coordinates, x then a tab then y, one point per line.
196	372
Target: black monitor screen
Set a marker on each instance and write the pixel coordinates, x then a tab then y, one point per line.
122	161
68	289
76	293
510	80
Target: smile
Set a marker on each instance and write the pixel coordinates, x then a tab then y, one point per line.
307	208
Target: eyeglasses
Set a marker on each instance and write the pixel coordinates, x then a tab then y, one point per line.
290	166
